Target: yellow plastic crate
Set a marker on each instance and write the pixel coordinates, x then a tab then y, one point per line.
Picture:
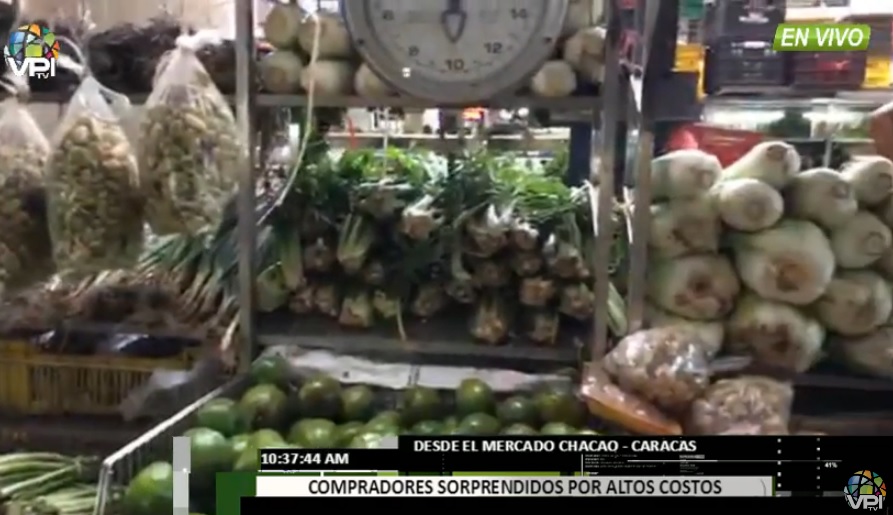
37	383
689	57
877	72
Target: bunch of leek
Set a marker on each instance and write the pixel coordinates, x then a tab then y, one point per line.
370	237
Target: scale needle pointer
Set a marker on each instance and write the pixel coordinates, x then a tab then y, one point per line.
453	19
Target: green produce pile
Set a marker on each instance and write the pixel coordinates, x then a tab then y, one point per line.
394	242
47	484
373	239
322	413
764	260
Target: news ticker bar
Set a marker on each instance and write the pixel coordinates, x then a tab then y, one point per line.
246	490
800	460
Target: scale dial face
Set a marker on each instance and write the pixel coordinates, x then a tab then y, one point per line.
455	51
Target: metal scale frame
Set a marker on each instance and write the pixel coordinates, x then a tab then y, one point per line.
455	52
435	53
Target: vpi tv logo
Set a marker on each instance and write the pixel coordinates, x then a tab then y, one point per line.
865	491
32	51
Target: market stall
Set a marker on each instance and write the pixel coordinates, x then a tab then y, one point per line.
429	337
127	286
385	287
547	266
616	408
338	61
817	117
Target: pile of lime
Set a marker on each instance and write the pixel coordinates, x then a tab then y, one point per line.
323	413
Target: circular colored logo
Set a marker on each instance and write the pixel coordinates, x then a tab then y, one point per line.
865	483
31	41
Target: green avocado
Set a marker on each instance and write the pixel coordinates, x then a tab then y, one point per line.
211	452
427	428
519	430
385	423
151	491
559	406
450	424
320	397
478	424
239	443
314	433
263	406
357	403
345	433
419	403
366	441
221	415
248	459
557	428
474	396
266	438
517	410
270	370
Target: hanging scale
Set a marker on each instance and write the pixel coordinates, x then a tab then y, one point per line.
455	52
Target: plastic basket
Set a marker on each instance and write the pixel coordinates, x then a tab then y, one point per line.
689	57
745	19
829	71
37	383
87	436
733	64
728	145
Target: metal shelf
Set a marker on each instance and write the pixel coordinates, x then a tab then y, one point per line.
444	345
781	98
508	102
573	103
108	329
440	341
67	434
523	142
842	141
657	22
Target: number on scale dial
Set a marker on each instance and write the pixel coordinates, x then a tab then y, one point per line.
455	50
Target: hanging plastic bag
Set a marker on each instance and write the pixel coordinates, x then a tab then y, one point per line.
743	405
666	366
607	401
25	252
94	204
189	151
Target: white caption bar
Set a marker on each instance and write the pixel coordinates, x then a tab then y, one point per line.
490	486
